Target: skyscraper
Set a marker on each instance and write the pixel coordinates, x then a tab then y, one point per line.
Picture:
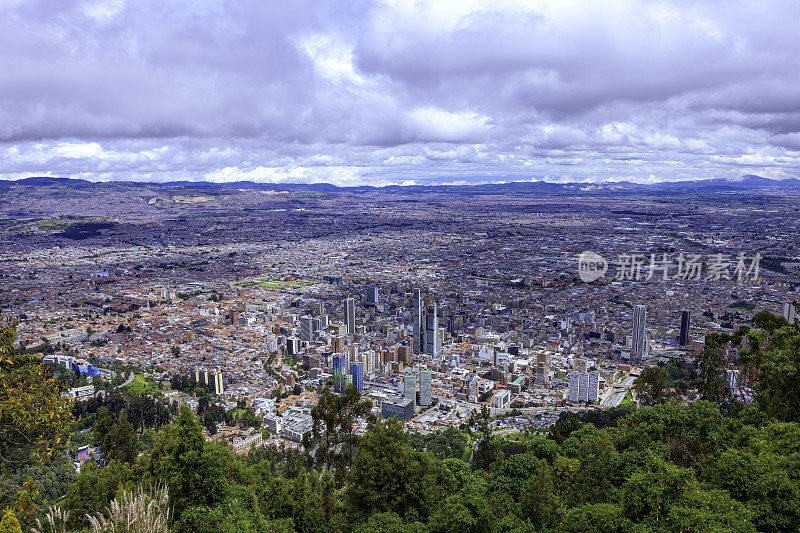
683	339
639	343
372	295
338	373
357	372
574	386
433	341
292	346
594	386
473	389
425	387
583	384
350	315
410	387
418	345
306	328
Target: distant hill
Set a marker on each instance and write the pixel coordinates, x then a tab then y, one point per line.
749	182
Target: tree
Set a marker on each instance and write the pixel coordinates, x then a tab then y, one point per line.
9	523
387	475
775	353
351	407
651	386
35	420
94	488
178	459
121	443
539	500
332	440
101	429
712	384
599	518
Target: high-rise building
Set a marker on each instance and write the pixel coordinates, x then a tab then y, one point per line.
292	346
351	353
404	353
473	389
584	387
337	343
683	338
594	386
418	345
574	386
372	295
433	340
212	378
410	387
339	380
639	344
350	315
306	328
543	373
357	373
425	387
583	384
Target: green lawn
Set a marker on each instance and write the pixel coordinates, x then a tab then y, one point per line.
140	385
627	400
273	285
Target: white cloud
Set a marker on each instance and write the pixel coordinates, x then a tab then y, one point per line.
397	90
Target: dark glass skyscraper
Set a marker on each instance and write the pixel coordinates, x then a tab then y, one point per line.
683	339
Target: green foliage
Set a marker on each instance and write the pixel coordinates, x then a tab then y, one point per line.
332	438
445	444
595	518
35	422
682	376
179	459
34	419
94	488
651	386
713	360
387	475
777	359
9	523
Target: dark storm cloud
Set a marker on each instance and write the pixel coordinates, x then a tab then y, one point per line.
400	91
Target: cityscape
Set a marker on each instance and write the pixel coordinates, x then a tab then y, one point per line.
400	266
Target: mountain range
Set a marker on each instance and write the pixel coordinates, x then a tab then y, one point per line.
749	182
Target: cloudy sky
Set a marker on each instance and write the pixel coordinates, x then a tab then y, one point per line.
399	91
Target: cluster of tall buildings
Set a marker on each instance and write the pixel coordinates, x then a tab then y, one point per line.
211	378
342	378
584	386
422	380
